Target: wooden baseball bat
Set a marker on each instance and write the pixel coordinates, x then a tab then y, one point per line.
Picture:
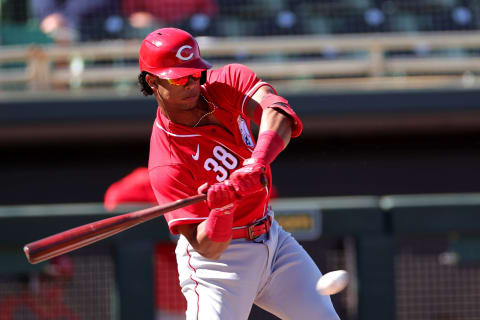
82	236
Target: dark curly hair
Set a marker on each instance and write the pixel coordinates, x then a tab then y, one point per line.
144	87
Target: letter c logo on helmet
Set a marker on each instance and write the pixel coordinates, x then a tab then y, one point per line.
170	53
179	53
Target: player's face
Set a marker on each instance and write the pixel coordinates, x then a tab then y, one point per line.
182	93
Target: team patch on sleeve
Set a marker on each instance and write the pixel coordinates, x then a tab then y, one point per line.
246	135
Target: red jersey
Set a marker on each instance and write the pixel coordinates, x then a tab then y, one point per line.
182	158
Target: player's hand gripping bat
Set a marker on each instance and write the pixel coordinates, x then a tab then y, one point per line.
82	236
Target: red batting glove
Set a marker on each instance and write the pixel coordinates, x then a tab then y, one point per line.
248	179
220	196
220	200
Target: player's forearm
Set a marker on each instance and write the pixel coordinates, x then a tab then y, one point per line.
273	119
205	246
274	135
198	239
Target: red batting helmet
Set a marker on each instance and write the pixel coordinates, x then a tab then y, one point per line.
171	53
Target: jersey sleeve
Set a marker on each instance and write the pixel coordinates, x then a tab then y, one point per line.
174	182
233	85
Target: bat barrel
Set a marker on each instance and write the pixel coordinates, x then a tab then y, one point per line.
82	236
77	238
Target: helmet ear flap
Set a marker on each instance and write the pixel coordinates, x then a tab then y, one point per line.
203	77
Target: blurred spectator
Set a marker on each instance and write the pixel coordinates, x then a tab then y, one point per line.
195	16
133	188
86	20
42	297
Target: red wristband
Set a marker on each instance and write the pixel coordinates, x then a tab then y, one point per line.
269	145
219	225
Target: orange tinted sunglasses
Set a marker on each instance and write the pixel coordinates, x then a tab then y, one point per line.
183	80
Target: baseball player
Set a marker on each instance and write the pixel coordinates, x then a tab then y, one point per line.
231	252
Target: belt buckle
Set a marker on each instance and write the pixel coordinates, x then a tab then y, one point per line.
251	231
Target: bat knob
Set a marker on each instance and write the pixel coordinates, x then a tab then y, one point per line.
27	253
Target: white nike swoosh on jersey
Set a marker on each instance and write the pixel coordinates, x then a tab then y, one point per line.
197	155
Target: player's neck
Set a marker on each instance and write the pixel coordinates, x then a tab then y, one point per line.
191	117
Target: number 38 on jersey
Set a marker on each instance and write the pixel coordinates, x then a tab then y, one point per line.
221	162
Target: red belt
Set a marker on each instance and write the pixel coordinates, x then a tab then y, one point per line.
253	230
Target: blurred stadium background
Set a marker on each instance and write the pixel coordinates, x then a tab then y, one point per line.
389	93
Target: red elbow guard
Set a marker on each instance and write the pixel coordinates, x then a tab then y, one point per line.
277	102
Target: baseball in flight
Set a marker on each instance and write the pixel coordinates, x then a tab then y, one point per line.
332	282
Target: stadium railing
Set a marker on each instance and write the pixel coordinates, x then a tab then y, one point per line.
390	60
